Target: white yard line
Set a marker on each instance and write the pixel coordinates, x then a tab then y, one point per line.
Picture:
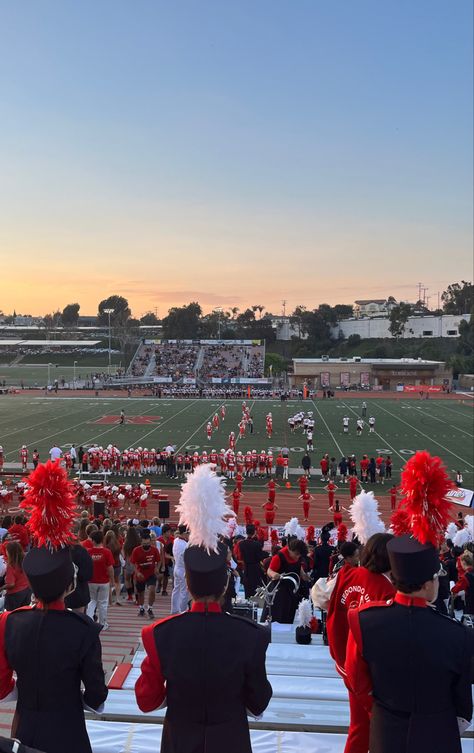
422	434
329	430
380	436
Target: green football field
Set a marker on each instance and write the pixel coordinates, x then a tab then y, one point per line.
444	427
36	374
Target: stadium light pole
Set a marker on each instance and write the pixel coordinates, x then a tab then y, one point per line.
219	312
109	312
49	373
74	376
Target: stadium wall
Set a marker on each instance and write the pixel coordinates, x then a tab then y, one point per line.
416	326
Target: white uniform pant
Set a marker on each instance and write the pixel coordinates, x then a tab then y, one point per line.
179	595
285	472
99	593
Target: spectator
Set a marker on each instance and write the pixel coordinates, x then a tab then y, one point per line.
112	543
306	464
146	561
19	532
78	599
16	583
102	578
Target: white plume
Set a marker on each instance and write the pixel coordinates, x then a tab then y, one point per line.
203	509
121	497
143	497
451	531
291	527
333	537
365	515
231	527
469	520
461	538
304	613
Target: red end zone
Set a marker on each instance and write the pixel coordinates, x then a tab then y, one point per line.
128	420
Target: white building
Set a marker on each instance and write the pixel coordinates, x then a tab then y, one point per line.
373	307
416	326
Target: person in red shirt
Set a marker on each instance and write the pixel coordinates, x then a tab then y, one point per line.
307	498
238	481
364	468
102	578
24	457
303	484
393	498
465	580
337	514
146	560
324	465
270	506
290	559
331	489
356	586
16	583
19	532
88	543
271	486
353	484
236	500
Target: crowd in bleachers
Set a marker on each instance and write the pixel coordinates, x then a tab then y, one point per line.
180	359
176	359
141	360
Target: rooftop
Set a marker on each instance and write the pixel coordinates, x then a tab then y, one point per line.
381	361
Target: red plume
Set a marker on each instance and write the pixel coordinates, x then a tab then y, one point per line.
248	515
310	533
425	483
342	532
51	504
400	522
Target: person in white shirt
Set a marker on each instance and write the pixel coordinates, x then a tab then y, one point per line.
360	426
179	596
55	453
345	424
371	425
73	455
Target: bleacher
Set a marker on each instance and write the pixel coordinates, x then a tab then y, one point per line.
176	360
308	713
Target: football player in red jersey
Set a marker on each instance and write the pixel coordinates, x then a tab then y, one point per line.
24	457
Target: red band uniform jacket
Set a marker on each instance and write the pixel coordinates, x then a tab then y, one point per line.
411	666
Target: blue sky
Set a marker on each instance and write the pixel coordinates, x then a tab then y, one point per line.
234	153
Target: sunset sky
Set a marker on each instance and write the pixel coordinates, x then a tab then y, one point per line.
233	153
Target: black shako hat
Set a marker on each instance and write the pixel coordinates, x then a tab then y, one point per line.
206	572
50	573
412	563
